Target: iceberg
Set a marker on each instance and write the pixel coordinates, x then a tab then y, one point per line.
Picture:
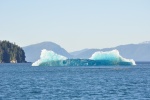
50	58
112	56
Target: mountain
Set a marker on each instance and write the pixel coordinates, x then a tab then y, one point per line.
138	52
78	52
85	53
33	51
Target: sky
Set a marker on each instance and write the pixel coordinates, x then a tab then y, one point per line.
75	24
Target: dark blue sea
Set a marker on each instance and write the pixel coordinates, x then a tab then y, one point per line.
24	82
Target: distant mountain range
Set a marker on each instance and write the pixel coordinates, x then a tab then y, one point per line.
33	51
138	52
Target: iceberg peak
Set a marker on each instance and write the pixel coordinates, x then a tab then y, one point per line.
112	56
48	56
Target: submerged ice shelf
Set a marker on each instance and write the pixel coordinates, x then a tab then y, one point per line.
49	58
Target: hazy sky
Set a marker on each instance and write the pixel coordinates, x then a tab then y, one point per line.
75	24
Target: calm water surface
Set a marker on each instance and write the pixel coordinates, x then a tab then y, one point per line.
24	82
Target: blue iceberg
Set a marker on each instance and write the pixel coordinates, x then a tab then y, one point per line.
49	58
113	56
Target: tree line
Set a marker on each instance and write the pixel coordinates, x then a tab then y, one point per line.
11	53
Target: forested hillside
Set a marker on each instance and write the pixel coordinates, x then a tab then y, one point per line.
11	53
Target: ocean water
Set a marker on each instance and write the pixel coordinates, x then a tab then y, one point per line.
24	82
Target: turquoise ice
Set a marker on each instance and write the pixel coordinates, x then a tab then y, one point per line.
112	56
50	58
